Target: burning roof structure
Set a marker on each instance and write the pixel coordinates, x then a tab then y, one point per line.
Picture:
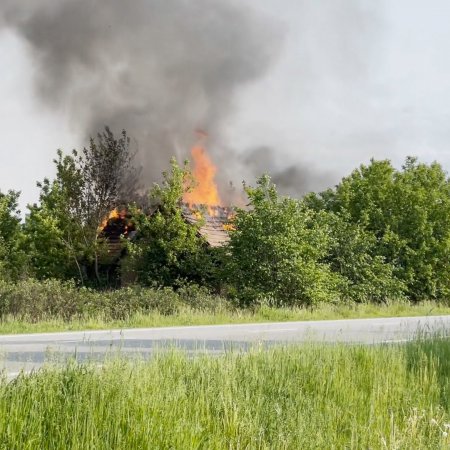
201	205
117	225
214	222
214	226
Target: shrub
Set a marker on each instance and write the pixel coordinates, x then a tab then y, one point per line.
37	300
200	298
276	251
366	276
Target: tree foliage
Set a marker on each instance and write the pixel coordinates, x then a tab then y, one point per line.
63	229
366	276
53	229
406	214
12	257
277	249
108	178
381	234
167	249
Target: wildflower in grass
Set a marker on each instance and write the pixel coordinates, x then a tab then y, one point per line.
444	426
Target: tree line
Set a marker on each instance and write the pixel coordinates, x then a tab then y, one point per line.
382	234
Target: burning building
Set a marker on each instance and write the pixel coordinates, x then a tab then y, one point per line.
215	222
201	206
204	201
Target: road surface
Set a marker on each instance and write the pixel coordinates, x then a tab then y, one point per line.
31	351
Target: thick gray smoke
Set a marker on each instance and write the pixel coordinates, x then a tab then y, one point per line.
332	84
291	180
158	68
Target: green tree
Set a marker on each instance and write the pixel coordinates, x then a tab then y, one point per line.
63	229
109	181
418	232
167	249
53	227
12	257
276	251
109	178
407	213
366	276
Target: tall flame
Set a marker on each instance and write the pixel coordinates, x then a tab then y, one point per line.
204	171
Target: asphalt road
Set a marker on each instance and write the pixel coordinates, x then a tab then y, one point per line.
31	351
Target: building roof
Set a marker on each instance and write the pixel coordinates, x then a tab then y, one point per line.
215	225
216	222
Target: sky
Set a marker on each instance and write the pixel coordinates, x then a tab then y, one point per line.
346	81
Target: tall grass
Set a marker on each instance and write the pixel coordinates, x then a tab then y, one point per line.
307	397
222	313
51	305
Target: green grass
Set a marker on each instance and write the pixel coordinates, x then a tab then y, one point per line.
306	397
223	315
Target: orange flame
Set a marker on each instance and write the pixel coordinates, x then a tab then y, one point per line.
114	214
204	171
228	227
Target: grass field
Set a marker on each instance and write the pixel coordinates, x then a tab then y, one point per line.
307	397
186	316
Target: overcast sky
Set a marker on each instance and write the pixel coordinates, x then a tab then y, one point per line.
351	80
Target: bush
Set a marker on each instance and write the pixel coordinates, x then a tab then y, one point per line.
200	298
366	276
122	303
276	252
38	300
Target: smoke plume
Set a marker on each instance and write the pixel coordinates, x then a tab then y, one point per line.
158	68
290	179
